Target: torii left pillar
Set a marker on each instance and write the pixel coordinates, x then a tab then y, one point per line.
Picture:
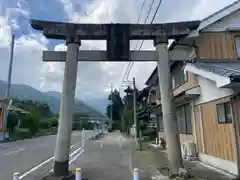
61	154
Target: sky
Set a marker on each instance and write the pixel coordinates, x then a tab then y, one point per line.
93	78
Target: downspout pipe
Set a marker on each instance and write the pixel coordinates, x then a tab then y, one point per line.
235	133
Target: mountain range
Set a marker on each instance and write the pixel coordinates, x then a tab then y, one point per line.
98	103
52	98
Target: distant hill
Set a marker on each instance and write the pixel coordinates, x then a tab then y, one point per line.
52	98
98	103
79	104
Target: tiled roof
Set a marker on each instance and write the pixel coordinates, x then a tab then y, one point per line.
223	68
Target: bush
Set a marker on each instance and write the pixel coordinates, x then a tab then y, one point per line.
150	132
12	121
21	133
53	121
76	126
31	122
44	124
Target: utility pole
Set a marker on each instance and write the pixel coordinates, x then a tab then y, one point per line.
134	108
5	114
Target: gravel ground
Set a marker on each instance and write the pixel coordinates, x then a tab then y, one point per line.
196	169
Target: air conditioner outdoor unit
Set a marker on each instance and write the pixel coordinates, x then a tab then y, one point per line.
189	150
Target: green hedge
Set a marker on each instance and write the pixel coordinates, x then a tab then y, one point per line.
44	124
21	133
53	121
150	132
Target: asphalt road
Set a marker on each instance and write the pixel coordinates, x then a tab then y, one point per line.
32	157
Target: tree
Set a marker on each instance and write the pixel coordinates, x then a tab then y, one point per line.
37	117
81	120
116	107
31	122
12	121
53	120
127	119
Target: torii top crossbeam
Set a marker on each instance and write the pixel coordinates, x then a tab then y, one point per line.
58	30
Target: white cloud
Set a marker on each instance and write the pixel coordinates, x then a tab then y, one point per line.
28	48
5	32
92	77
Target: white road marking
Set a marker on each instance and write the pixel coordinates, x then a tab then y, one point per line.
120	143
75	158
48	160
36	167
26	140
130	161
72	154
14	152
75	144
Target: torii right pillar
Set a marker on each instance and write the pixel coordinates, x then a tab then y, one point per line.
168	110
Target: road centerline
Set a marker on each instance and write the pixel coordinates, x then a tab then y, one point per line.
14	152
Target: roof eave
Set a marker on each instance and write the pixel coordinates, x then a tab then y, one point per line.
221	81
219	15
151	76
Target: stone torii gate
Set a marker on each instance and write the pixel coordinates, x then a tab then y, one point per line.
118	38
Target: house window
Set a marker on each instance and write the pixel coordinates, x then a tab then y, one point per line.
158	94
188	119
179	78
237	45
224	114
181	120
184	119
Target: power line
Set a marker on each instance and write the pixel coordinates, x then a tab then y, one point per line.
145	21
149	11
139	16
132	63
129	64
154	16
159	4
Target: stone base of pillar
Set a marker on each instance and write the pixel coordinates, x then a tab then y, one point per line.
60	168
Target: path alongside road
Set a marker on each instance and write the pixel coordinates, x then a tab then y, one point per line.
112	160
25	155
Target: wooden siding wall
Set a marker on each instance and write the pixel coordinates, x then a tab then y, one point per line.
199	140
218	138
236	115
216	45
